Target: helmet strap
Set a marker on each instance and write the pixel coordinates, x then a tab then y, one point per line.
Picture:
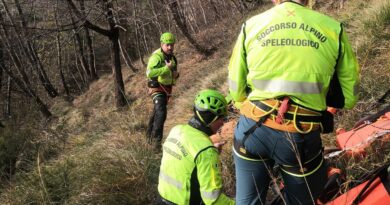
203	121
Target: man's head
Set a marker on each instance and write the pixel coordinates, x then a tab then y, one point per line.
210	108
167	42
303	2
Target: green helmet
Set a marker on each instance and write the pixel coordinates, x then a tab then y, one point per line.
212	101
167	38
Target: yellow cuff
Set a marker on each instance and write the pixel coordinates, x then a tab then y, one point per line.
237	105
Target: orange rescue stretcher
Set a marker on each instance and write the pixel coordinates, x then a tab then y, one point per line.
356	141
373	191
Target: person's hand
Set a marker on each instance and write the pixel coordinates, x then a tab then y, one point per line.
169	64
332	110
219	145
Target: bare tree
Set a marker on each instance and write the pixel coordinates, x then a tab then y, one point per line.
215	9
80	51
88	38
59	59
8	101
113	35
32	32
23	83
28	91
179	19
28	49
33	53
2	64
126	58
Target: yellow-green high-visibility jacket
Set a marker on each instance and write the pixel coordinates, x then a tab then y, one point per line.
291	50
157	68
190	170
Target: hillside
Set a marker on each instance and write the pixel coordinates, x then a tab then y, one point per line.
95	153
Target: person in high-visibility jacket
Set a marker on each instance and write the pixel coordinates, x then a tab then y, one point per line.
280	72
190	170
162	74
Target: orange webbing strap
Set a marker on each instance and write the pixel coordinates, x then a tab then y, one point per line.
250	110
333	170
167	89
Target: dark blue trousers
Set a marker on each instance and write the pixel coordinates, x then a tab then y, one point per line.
253	176
157	119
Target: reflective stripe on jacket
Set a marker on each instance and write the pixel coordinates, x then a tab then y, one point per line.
291	50
157	68
189	169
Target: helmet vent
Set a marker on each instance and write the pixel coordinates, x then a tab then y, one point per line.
210	101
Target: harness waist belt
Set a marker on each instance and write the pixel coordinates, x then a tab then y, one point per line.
296	119
167	89
302	114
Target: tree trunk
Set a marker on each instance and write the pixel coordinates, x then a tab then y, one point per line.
8	101
28	91
59	59
141	57
126	58
68	69
81	72
119	85
155	15
31	52
91	56
80	48
2	64
14	57
215	9
24	83
115	55
113	35
174	7
137	33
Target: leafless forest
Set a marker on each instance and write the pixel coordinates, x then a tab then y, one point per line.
52	48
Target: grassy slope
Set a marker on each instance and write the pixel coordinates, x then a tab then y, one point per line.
104	158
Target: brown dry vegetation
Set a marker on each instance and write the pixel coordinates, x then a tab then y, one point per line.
96	154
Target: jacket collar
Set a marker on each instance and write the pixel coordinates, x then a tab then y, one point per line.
166	56
289	1
195	123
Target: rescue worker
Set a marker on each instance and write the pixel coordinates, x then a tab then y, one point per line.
162	74
190	171
279	76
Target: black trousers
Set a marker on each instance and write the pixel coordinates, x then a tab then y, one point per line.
157	119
